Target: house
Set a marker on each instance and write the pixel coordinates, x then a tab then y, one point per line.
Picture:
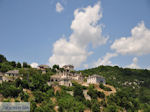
68	67
1	77
43	68
65	82
77	77
94	79
60	79
11	75
65	77
71	75
55	78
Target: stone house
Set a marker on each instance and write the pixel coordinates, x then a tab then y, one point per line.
65	82
71	75
60	79
78	77
55	78
65	77
43	68
95	79
68	67
11	75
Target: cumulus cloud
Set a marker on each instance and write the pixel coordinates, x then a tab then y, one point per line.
34	65
105	60
59	7
134	63
85	31
137	43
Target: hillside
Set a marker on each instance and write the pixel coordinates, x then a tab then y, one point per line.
133	85
125	89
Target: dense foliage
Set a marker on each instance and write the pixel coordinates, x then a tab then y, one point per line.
132	85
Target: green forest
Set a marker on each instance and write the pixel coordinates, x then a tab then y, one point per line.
132	89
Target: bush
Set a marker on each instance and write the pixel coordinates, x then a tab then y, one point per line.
50	92
10	90
70	104
92	93
100	94
78	93
24	96
104	87
95	106
39	96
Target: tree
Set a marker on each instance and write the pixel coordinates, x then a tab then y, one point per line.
33	106
95	106
25	65
92	93
13	64
18	65
56	67
100	94
25	84
78	93
39	96
10	90
18	82
70	104
4	67
2	58
24	96
111	108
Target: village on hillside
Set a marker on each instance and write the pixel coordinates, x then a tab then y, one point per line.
62	77
63	88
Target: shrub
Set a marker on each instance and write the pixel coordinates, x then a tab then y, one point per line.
10	91
100	94
24	96
104	87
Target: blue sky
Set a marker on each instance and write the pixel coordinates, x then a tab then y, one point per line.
41	31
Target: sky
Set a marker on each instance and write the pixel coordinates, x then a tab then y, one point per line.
85	33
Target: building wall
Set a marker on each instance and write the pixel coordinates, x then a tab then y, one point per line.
95	80
11	74
91	80
65	83
100	80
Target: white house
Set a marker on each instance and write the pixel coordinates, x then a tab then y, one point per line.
11	75
94	79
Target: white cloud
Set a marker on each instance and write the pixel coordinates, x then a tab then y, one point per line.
134	63
86	30
137	43
65	52
59	7
34	65
105	60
